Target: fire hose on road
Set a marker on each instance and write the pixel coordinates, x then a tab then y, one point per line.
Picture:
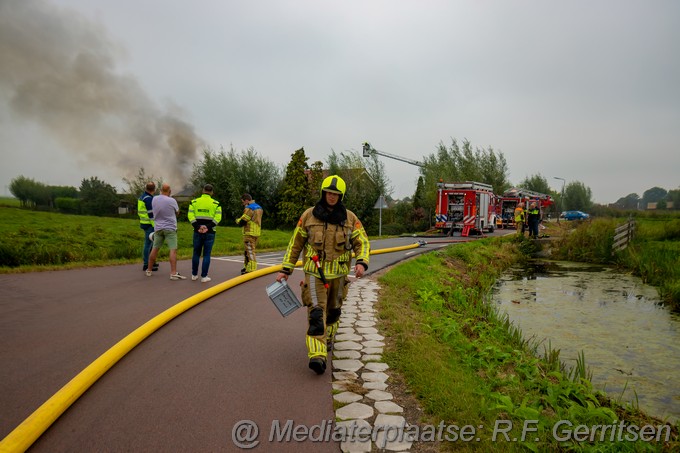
24	435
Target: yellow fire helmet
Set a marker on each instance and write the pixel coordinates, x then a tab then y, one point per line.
334	184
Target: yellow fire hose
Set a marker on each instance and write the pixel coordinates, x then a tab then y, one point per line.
24	435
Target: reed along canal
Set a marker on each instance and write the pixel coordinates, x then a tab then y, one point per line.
630	340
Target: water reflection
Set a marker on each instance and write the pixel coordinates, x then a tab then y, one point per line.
627	335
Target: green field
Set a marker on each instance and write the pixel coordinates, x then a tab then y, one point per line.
10	202
654	255
35	240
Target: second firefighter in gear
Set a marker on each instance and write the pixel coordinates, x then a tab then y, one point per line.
519	218
251	221
326	235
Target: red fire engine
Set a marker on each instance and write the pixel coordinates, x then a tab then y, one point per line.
506	204
466	207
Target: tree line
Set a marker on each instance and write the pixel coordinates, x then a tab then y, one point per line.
284	193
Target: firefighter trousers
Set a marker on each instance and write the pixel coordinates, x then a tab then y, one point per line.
324	307
249	258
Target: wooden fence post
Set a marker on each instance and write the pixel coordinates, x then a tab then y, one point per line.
623	234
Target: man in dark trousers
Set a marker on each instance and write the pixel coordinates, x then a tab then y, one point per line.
146	222
533	219
204	214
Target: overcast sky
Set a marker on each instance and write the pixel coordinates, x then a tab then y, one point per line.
585	90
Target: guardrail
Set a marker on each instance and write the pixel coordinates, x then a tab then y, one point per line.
623	234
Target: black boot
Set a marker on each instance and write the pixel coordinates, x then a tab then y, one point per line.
318	364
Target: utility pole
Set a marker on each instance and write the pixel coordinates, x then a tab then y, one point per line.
380	204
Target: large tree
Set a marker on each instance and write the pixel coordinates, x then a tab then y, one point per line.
457	163
137	185
630	201
98	197
577	197
295	188
315	180
29	192
419	195
537	183
653	195
233	173
674	197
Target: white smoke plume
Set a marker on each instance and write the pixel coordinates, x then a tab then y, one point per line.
58	69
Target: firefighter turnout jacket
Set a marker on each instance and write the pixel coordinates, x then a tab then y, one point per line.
251	220
332	243
205	210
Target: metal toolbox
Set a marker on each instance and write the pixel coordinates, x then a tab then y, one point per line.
283	297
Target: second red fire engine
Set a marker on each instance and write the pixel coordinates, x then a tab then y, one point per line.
468	207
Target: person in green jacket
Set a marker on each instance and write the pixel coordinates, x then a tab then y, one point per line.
204	214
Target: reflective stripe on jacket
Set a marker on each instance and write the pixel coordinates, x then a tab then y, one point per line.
533	215
519	215
333	244
144	210
252	216
205	210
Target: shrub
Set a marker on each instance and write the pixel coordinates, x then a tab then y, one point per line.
393	229
68	205
589	242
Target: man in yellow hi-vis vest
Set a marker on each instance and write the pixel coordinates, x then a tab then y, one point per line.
326	235
251	221
146	223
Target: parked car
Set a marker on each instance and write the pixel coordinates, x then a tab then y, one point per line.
574	215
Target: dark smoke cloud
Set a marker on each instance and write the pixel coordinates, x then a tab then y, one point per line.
58	69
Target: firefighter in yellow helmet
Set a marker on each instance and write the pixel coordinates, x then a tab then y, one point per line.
326	235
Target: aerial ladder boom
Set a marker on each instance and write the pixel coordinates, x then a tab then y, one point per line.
522	193
369	150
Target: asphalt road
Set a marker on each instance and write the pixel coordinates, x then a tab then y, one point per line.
230	358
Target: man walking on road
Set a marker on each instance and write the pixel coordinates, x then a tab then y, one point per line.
165	211
326	234
145	213
204	214
251	221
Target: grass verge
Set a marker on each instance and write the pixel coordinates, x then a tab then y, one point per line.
654	255
35	240
468	366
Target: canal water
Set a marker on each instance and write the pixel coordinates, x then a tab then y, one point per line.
630	340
